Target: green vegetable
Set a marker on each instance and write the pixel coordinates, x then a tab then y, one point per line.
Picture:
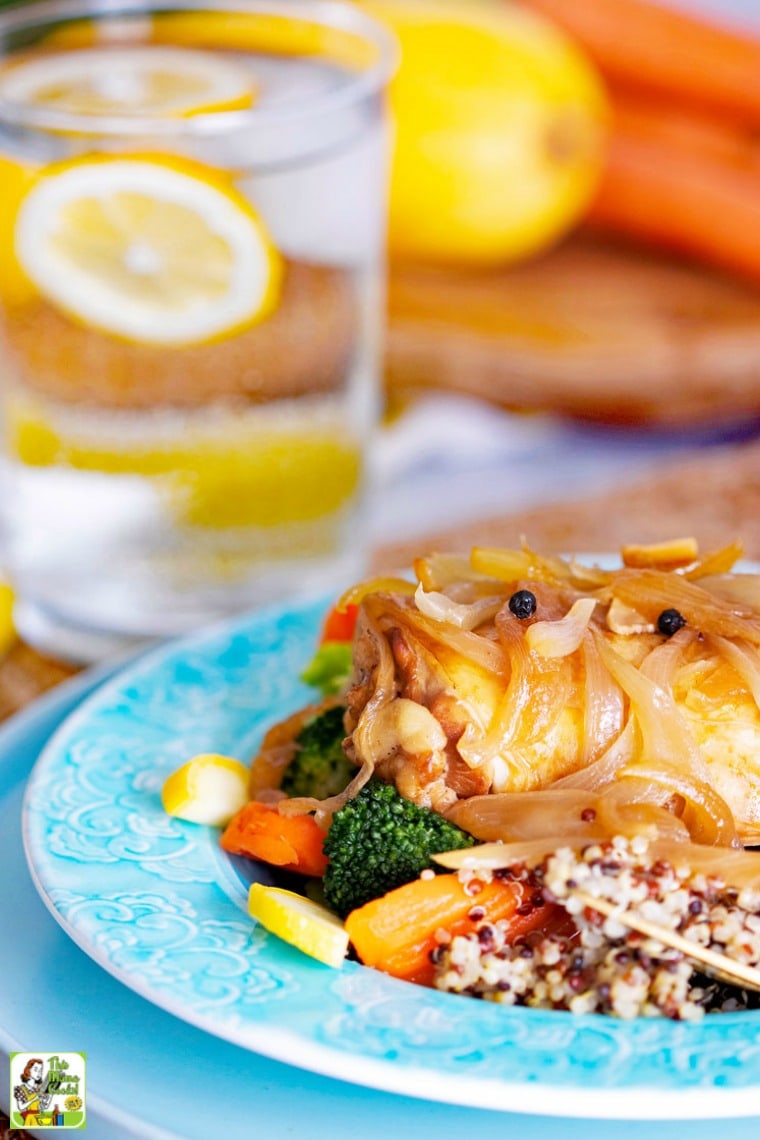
319	768
330	667
378	841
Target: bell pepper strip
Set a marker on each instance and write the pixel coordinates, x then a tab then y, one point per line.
339	624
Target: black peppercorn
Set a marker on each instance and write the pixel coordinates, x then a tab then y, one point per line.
670	621
523	604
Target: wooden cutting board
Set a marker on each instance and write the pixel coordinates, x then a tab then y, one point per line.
589	330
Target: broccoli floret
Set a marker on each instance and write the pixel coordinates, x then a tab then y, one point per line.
330	668
319	768
378	841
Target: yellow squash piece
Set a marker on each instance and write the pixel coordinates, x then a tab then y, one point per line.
297	920
208	789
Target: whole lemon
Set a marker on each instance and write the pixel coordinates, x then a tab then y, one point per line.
500	127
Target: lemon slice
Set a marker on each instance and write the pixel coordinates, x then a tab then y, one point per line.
7	627
208	789
297	920
129	81
153	250
236	469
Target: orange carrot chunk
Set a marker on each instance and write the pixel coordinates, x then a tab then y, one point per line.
396	933
293	843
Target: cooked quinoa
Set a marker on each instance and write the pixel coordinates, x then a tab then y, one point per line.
604	967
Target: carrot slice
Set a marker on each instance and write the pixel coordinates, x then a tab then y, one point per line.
396	933
292	842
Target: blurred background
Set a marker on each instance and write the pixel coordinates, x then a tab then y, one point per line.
574	252
573	274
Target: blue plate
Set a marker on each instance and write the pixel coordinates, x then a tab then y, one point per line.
152	1076
158	904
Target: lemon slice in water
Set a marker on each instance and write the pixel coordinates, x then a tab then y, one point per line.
127	81
236	471
154	250
306	925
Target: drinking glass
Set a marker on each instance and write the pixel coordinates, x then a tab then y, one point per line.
192	215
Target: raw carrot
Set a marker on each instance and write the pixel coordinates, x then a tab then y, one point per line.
396	933
684	129
293	842
680	201
669	52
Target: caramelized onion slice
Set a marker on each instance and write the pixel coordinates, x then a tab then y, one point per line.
323	809
745	659
437	571
514	816
705	812
495	856
734	867
630	808
652	591
510	565
622	618
468	616
726	865
487	654
665	736
381	585
716	562
741	589
563	637
664	555
604	706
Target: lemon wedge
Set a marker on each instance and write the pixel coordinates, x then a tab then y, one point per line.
128	81
306	925
208	789
154	250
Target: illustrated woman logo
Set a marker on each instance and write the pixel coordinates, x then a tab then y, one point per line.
32	1096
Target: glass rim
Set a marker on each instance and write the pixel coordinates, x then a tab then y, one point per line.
339	14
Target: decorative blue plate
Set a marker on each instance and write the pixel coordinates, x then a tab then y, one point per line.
158	904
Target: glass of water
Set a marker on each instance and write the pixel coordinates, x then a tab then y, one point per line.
192	207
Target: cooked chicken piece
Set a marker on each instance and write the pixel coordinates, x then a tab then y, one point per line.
513	704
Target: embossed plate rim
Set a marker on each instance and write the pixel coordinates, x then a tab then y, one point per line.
353	1024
